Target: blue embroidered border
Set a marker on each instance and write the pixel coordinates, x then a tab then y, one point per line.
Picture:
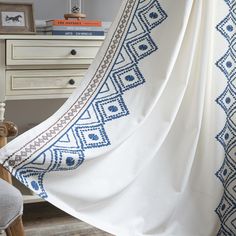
226	210
88	132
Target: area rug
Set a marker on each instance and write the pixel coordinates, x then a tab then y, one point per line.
146	145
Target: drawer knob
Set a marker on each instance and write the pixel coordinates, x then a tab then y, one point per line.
71	82
73	52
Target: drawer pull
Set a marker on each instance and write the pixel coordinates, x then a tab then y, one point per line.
73	52
71	82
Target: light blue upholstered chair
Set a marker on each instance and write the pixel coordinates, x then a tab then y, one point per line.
11	201
11	209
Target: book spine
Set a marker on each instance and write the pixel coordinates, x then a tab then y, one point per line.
74	28
76	33
74	23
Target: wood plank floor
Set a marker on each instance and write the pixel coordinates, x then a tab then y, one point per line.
43	219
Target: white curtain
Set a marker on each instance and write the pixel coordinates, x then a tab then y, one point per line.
146	144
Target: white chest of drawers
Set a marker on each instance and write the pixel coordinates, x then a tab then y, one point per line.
41	67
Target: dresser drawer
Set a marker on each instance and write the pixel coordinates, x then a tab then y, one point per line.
42	82
51	52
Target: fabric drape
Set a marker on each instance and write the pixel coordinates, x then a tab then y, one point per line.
146	144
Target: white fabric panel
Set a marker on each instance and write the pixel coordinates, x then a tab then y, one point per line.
133	150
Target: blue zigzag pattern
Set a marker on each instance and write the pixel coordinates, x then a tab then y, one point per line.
226	210
88	132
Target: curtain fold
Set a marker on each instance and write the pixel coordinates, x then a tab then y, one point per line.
134	150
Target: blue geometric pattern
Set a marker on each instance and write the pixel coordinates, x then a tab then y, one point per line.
141	47
128	78
230	2
92	136
89	130
112	108
227	63
228	27
226	210
152	15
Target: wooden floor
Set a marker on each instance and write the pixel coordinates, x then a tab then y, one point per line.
43	219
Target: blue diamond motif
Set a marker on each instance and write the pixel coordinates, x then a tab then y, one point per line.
67	159
129	78
226	100
26	176
226	136
111	109
141	47
152	15
225	171
227	64
93	136
227	27
225	206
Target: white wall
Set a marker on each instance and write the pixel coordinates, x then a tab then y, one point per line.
102	9
95	9
27	113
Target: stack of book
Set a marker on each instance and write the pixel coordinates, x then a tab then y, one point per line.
75	27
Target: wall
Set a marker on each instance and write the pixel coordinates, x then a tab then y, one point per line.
95	9
28	113
102	9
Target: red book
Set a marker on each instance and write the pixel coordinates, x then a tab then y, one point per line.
62	22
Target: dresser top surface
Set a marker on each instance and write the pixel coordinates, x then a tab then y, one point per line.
50	37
